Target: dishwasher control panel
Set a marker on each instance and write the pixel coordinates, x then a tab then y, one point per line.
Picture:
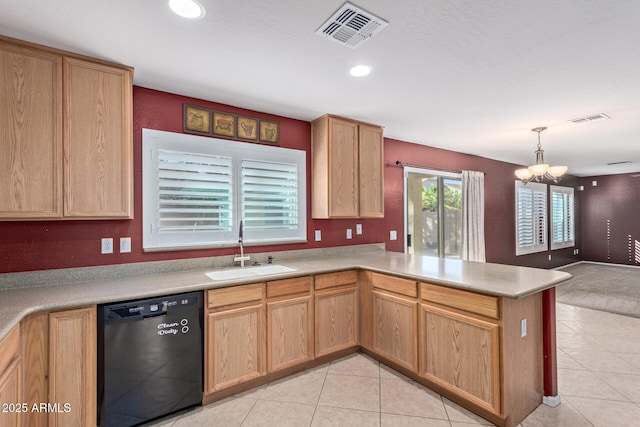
149	307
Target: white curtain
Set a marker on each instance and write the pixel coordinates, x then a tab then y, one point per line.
473	216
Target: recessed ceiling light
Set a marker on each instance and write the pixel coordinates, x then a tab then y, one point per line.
360	70
190	9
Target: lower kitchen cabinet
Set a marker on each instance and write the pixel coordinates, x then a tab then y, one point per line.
11	400
395	319
59	359
72	367
460	343
35	356
395	328
462	353
289	323
234	336
336	311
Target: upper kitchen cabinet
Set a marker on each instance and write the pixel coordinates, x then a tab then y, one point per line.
347	169
67	133
31	133
98	140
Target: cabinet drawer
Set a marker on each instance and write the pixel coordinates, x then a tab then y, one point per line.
234	295
472	302
330	280
297	285
395	284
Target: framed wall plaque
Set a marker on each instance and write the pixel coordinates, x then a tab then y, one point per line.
196	120
247	128
224	124
269	132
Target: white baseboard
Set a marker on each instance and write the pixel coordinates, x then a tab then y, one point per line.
610	264
551	401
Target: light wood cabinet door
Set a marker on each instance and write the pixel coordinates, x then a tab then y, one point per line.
336	312
289	332
371	171
35	365
343	168
31	133
461	353
347	173
72	366
395	322
235	346
98	140
11	398
10	394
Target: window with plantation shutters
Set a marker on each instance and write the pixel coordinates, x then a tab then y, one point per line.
531	217
196	190
562	217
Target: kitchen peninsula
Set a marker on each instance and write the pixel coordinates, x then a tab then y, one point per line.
454	326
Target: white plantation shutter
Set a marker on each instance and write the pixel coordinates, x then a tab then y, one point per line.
197	189
269	195
562	217
531	218
194	192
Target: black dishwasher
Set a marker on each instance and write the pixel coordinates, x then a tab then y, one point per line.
149	358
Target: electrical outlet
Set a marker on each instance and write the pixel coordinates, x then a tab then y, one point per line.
318	235
349	233
549	257
125	245
393	235
523	328
358	228
106	245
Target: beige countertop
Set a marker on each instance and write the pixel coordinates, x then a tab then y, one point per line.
492	279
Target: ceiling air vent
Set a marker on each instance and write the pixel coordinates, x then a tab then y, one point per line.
592	118
351	26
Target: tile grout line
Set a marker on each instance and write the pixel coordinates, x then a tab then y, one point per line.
379	397
244	419
320	395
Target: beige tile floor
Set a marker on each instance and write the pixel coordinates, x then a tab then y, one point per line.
598	376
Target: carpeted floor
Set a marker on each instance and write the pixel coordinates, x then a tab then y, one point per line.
604	287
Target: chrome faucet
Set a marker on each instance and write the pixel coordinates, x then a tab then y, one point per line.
242	257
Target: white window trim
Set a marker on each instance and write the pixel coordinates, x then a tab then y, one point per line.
567	217
538	224
152	140
422	171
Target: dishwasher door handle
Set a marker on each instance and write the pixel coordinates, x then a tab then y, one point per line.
150	315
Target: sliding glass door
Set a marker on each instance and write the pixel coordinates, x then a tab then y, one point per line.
433	214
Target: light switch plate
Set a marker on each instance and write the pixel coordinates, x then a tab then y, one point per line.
358	228
393	235
349	233
318	235
125	245
523	328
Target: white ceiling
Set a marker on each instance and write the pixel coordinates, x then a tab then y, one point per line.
465	75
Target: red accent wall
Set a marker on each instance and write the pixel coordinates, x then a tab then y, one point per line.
38	245
610	218
499	200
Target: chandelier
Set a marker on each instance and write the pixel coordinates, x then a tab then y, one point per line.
540	169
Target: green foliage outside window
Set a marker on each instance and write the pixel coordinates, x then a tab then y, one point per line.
452	198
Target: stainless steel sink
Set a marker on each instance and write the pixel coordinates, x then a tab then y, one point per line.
241	273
